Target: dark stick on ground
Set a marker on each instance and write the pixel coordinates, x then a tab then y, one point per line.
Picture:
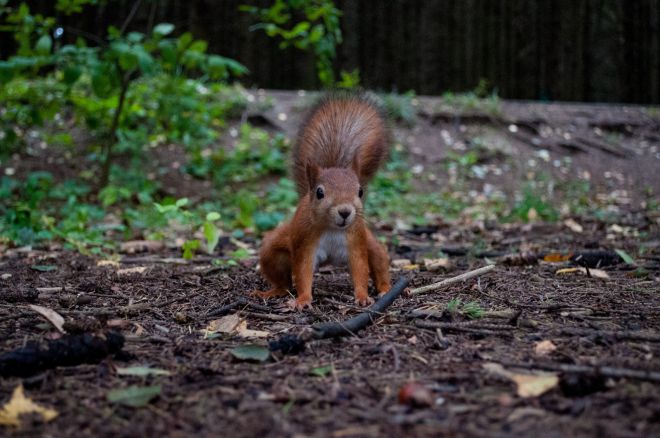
335	329
67	351
291	344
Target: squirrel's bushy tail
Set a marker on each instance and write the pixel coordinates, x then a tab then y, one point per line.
341	128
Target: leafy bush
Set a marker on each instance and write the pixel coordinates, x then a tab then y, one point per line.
307	25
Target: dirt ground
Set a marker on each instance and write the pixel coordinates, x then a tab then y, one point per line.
595	334
210	392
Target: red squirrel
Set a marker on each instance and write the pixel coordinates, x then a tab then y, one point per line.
340	146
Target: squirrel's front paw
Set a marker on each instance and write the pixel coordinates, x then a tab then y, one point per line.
300	304
364	301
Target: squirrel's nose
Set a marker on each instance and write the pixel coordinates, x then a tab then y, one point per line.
344	213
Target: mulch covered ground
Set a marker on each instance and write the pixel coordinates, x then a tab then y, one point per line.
600	328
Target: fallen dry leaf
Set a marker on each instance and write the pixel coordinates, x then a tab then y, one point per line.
573	225
544	347
528	385
113	263
130	271
226	324
19	405
555	257
596	273
118	323
400	263
51	316
437	264
233	324
245	332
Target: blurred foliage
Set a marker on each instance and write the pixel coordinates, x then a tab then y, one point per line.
309	25
140	121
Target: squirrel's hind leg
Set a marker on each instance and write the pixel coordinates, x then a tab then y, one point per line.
379	264
275	265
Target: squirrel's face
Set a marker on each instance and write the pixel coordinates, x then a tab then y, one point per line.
337	197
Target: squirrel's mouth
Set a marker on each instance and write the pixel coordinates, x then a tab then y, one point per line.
344	223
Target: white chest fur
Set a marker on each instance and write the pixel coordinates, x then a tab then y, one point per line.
332	249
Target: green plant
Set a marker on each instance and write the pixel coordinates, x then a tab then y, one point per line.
107	85
534	204
471	310
481	99
399	107
211	231
306	25
189	247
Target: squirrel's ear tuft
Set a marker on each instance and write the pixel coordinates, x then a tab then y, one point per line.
312	171
356	167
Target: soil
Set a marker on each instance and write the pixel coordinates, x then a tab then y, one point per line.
602	324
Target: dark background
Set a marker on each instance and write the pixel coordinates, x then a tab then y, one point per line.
586	50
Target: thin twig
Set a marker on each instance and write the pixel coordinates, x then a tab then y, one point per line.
624	335
131	14
449	281
606	371
485	330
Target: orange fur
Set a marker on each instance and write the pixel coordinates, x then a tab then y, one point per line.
340	147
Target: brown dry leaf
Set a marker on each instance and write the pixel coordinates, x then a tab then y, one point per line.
226	324
534	385
118	323
400	263
130	271
544	347
528	385
244	332
19	405
437	264
555	257
596	273
233	324
573	225
51	316
135	246
567	271
410	267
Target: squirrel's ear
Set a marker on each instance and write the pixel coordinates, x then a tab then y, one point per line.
312	171
356	167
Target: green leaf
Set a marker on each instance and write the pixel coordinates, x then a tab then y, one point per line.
71	74
321	371
44	268
102	83
44	45
251	352
163	29
625	257
198	46
134	396
189	248
212	236
142	371
212	216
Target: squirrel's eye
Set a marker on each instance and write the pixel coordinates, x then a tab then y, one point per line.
360	192
319	193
